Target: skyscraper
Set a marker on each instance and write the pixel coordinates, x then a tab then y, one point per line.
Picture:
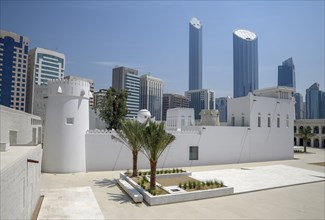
151	95
43	64
13	69
221	105
245	60
299	106
315	102
200	99
173	101
127	79
195	55
286	74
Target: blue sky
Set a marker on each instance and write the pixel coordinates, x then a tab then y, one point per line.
153	37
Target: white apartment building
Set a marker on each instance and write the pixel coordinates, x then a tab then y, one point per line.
151	95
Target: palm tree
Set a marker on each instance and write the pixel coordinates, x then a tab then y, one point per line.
130	134
155	141
305	134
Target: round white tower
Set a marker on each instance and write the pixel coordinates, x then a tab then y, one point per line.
66	123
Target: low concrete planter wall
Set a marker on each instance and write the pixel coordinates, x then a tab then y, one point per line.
179	197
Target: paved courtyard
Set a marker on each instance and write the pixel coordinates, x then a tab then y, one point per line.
303	201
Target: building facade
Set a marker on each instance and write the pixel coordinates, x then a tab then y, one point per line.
43	64
98	97
245	61
221	106
287	74
127	79
317	127
173	101
299	106
195	54
199	100
315	102
151	95
13	70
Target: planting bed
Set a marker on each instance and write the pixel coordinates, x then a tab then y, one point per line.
173	193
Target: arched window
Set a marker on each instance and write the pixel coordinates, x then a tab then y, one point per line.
295	129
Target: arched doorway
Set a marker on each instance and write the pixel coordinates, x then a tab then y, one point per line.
316	130
316	142
308	143
301	142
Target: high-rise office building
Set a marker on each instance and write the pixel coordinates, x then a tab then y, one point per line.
245	61
299	106
91	89
200	99
315	102
173	101
286	74
221	106
127	79
195	55
151	95
43	64
13	69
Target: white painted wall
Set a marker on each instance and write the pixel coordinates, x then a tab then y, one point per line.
64	144
20	182
22	122
217	145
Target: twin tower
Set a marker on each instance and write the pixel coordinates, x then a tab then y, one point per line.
245	59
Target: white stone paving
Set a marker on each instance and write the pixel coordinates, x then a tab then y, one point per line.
70	203
259	178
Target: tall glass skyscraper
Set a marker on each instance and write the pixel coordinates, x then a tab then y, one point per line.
124	78
13	69
245	60
286	74
315	102
299	106
195	55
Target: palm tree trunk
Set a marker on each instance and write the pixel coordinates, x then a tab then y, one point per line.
153	169
305	146
135	163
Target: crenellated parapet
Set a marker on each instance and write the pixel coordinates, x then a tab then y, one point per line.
66	87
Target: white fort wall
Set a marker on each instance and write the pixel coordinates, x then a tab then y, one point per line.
67	120
217	145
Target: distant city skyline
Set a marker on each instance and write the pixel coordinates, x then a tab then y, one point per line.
153	37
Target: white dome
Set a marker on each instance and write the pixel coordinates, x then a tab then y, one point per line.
143	115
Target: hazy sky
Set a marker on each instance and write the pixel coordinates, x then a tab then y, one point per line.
153	37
